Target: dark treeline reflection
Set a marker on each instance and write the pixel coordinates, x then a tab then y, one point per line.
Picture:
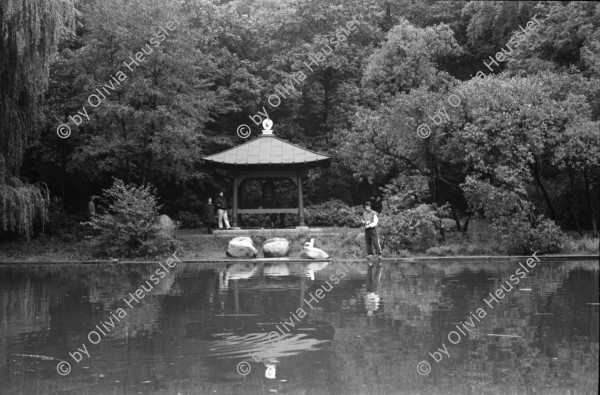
300	328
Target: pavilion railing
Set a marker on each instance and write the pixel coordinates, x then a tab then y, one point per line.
267	210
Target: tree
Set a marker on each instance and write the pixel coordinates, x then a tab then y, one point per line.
159	119
29	31
492	23
513	131
568	37
29	34
408	59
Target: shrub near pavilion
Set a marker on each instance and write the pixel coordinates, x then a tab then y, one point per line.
128	225
412	229
189	220
334	213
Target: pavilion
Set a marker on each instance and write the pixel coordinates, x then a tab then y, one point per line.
267	157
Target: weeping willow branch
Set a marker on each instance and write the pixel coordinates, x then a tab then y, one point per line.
29	32
21	204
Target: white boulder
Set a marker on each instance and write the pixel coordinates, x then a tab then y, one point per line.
241	247
166	226
276	247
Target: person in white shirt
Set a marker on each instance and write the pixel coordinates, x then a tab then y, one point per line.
222	211
371	237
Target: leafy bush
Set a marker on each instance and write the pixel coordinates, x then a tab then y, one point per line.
512	216
412	229
128	226
189	220
582	245
334	213
260	220
331	214
523	237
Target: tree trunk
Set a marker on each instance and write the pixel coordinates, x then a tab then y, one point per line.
538	181
590	205
466	224
574	204
63	170
127	164
457	220
150	161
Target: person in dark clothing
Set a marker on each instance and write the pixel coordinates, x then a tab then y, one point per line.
209	211
91	208
370	221
222	211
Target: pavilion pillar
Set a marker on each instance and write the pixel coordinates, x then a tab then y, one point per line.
300	201
235	202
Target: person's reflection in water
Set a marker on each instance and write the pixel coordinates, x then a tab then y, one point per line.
271	368
223	281
373	288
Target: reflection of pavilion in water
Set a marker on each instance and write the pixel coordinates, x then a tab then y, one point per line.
241	336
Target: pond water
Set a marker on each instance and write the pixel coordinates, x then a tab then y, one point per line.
300	328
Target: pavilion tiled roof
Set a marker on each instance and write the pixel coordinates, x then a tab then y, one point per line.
267	150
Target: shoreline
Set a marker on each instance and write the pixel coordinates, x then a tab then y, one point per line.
424	259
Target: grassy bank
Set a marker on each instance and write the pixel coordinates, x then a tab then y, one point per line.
344	243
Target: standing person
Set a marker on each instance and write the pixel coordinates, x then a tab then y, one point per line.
222	210
371	238
91	208
209	211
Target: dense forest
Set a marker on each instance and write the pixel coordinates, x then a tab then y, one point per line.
478	109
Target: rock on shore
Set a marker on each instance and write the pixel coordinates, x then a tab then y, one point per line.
276	247
241	247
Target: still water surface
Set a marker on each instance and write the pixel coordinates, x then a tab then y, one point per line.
292	328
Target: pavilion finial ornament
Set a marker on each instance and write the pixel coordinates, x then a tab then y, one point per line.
267	125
